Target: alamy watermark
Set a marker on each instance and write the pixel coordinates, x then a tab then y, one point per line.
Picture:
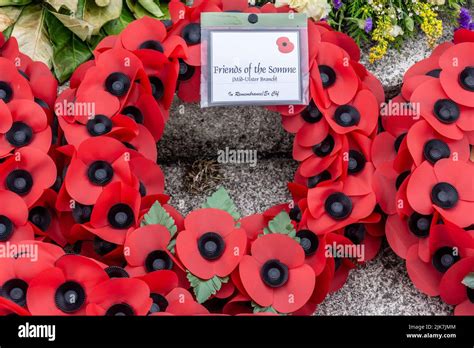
234	156
17	251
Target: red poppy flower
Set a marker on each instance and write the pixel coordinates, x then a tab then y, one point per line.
45	219
314	248
145	110
318	157
28	172
14	225
333	79
343	262
161	283
17	271
336	205
445	187
12	84
181	302
454	292
445	115
119	127
148	250
359	114
448	244
115	213
65	289
162	73
107	85
8	307
98	163
149	174
29	127
210	245
457	73
424	143
43	84
285	45
332	173
275	274
120	297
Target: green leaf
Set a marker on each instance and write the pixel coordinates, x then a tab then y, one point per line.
409	23
203	289
97	16
152	6
14	2
157	215
9	16
281	224
258	309
70	5
68	50
32	35
221	200
78	26
469	280
116	26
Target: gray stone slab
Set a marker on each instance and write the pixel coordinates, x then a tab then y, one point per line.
381	287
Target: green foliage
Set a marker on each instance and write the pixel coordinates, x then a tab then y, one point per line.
221	200
204	289
63	33
281	224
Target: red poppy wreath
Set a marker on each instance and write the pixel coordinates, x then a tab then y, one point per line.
89	228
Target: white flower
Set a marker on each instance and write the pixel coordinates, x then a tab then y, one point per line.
315	9
396	30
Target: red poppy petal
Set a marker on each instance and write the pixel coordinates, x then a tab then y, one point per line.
249	270
398	235
423	275
209	220
143	241
451	288
419	188
278	247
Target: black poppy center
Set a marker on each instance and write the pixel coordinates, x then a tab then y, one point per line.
274	273
120	310
70	297
6	92
160	303
328	75
158	260
466	78
116	272
338	206
308	241
295	213
134	113
434	73
117	84
100	173
436	149
356	162
40	217
444	195
446	111
20	182
316	179
192	33
157	87
102	247
401	178
398	141
15	290
211	245
6	228
311	113
82	213
121	216
444	258
152	45
185	71
355	232
20	134
325	147
99	125
347	116
420	224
